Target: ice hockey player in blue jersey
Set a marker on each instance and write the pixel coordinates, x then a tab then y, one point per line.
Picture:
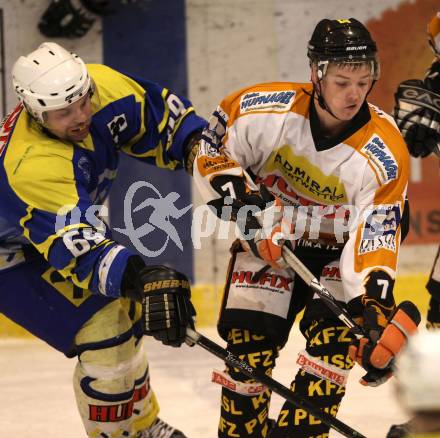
62	275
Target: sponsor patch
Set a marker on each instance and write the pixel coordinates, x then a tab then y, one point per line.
207	165
271	293
117	412
305	177
381	158
383	220
380	228
266	101
379	242
224	379
268	281
321	369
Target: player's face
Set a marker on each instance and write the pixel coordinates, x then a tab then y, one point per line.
344	89
71	123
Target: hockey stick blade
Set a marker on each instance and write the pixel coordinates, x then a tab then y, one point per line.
278	388
323	293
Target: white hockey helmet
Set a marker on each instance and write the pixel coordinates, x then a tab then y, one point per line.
417	372
49	78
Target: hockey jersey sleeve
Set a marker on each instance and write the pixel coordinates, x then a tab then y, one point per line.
142	118
369	258
234	141
48	199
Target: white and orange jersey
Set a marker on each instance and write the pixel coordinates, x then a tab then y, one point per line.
270	131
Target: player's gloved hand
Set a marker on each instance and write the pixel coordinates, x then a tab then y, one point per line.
71	18
376	353
263	230
433	316
417	114
271	233
165	296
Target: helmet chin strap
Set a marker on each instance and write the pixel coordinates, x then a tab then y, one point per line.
321	101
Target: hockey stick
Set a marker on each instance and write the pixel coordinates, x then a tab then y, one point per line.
272	384
323	293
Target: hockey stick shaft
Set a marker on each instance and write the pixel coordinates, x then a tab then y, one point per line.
323	293
272	384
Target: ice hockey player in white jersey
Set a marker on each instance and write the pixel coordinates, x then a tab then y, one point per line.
315	166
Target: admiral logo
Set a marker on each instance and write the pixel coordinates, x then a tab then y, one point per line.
271	280
321	191
381	158
267	101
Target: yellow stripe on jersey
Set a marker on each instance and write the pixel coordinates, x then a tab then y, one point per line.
166	113
119	85
154	153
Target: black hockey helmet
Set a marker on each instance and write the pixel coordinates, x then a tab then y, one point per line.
342	41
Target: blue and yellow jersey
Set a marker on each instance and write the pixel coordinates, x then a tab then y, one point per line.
51	189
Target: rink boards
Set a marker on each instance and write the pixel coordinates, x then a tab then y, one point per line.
207	298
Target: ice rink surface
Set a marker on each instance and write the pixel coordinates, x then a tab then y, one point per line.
36	396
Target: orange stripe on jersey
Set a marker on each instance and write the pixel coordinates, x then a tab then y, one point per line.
381	143
272	97
301	105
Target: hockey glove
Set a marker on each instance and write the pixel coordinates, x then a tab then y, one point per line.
263	230
376	353
433	316
270	234
417	114
165	295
